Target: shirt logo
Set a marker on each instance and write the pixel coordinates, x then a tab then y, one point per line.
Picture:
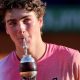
54	79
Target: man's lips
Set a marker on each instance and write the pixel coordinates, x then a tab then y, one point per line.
21	39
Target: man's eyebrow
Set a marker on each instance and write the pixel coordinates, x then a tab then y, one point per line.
24	17
19	19
11	20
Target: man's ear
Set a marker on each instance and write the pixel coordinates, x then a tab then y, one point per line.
5	27
7	31
41	21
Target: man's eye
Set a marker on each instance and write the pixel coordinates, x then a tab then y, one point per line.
12	23
26	20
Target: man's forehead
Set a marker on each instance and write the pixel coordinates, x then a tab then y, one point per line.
18	13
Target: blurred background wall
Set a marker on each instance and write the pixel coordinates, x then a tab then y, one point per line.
61	25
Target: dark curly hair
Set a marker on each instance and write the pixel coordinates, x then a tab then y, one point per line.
30	5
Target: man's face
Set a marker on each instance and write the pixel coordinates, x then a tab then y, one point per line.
20	24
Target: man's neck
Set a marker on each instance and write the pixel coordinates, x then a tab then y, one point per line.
37	54
40	50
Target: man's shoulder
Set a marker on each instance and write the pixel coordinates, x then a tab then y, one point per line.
8	59
62	49
64	53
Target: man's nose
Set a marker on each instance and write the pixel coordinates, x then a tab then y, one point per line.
21	27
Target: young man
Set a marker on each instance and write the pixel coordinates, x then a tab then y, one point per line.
24	19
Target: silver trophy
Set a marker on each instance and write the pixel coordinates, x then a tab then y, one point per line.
28	67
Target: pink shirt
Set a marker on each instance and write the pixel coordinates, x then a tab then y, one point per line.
9	67
58	63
